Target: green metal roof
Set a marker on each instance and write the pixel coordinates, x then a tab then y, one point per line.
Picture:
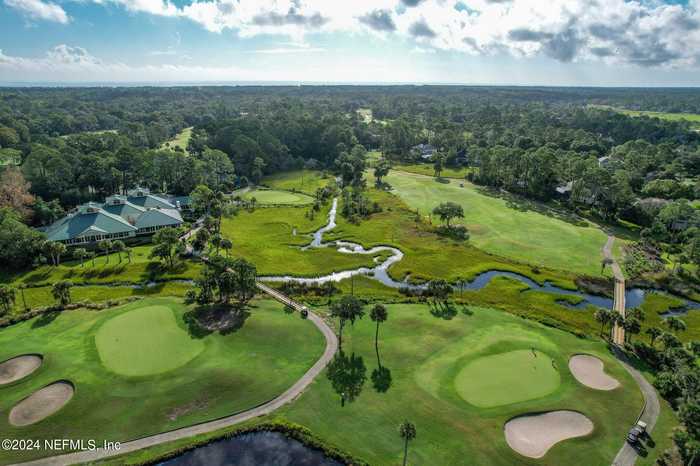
158	217
76	224
150	200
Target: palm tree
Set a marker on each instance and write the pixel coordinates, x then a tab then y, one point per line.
675	324
21	287
61	292
216	242
7	298
79	254
106	246
226	245
118	246
378	314
408	432
654	333
347	308
604	317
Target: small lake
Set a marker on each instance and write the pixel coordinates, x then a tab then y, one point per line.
253	449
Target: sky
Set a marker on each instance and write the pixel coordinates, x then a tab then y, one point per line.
481	42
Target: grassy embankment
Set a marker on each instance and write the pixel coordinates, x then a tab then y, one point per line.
208	376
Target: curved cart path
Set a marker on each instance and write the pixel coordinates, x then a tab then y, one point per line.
185	432
650	412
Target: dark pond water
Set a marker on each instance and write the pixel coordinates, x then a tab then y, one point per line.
254	449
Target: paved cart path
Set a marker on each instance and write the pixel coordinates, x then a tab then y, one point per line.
293	392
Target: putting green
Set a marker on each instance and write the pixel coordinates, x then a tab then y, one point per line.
145	341
507	378
272	196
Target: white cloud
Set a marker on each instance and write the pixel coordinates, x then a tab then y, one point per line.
66	63
39	10
646	33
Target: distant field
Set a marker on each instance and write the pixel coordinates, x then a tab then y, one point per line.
515	228
305	181
693	118
275	197
427	169
180	140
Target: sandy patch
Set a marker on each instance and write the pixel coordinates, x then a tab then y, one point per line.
41	404
18	367
533	435
590	371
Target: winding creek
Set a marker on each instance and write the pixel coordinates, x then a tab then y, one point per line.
634	296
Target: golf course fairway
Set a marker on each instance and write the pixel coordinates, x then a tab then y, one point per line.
527	231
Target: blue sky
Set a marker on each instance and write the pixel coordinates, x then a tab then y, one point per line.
527	42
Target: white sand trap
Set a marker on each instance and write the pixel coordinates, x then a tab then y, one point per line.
590	371
533	435
18	367
41	404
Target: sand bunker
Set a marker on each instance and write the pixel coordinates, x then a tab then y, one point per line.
18	368
533	435
41	404
590	371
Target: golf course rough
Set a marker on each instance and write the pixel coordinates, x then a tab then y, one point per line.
19	367
507	378
129	345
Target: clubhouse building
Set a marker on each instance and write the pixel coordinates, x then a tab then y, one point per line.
139	213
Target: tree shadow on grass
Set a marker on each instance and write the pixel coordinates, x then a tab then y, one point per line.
443	310
208	319
38	277
45	319
347	375
155	270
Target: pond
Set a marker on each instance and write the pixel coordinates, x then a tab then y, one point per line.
253	449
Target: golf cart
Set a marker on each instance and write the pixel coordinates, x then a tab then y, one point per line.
637	432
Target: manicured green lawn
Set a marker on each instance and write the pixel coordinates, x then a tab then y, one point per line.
128	344
276	197
180	140
425	355
513	228
305	181
506	378
267	238
232	373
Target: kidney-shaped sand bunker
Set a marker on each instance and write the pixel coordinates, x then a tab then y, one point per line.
19	367
590	371
532	435
42	403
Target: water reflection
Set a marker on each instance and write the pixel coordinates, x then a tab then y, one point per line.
254	449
